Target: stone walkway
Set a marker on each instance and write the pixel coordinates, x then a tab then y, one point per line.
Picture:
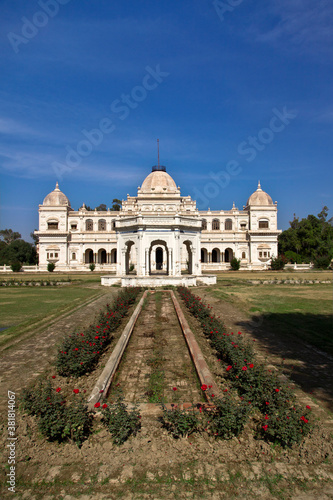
158	333
34	355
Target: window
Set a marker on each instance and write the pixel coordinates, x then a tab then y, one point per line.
263	224
101	225
228	225
52	225
204	225
215	225
47	255
113	225
243	255
260	254
265	254
73	256
56	255
243	226
73	226
89	225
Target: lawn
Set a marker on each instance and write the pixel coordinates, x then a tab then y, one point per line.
304	311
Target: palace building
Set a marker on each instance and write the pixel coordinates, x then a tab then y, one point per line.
157	232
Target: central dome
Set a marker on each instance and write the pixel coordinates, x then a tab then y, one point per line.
158	181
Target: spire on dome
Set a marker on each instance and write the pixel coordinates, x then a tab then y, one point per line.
57	186
158	167
259	186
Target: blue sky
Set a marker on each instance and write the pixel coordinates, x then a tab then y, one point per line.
236	91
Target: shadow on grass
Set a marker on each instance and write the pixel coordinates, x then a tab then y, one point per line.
305	341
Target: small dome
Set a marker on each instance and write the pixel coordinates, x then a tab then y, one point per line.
260	198
158	181
56	198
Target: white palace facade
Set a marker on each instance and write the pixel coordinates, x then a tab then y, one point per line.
156	232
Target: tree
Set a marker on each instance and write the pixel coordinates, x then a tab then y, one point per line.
9	235
309	238
116	204
101	208
34	237
18	251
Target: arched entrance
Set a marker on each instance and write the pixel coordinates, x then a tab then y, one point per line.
114	256
159	258
102	256
89	256
129	245
204	258
159	253
216	255
189	260
228	254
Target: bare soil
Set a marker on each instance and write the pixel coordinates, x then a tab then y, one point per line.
153	465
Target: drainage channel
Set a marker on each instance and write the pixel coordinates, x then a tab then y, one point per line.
156	359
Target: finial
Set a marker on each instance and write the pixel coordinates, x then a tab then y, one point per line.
259	186
233	205
158	153
57	185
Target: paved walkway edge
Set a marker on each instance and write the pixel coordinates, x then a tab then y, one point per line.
204	373
103	383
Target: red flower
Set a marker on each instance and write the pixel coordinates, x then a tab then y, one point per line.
229	368
53	376
76	391
96	337
251	365
244	368
308	407
58	389
277	390
174	388
225	390
97	405
265	427
213	395
204	387
210	386
102	390
105	405
267	403
305	420
266	417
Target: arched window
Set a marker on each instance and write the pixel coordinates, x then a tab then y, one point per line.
113	256
215	225
102	225
204	225
113	225
228	225
263	224
53	224
89	225
73	256
216	255
204	257
243	255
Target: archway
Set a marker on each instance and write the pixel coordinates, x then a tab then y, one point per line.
114	256
102	256
228	254
204	257
159	255
89	256
159	258
189	260
129	245
216	255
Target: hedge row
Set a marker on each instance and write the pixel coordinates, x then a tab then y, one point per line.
79	353
282	420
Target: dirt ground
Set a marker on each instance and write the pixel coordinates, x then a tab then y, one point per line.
156	466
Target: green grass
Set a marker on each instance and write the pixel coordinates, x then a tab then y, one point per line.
304	311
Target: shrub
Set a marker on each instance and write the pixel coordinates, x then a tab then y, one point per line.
51	267
121	422
278	263
16	267
285	426
228	417
79	352
58	420
92	267
235	264
179	422
293	257
322	261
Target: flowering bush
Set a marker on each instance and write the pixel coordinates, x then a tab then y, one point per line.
58	419
79	352
120	421
253	381
228	417
179	422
